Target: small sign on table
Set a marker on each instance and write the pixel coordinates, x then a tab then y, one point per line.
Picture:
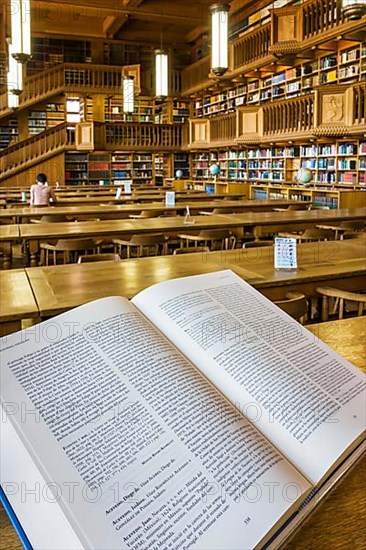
285	253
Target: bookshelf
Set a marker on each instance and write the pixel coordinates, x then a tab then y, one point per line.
48	117
48	52
9	133
99	168
76	168
181	162
121	166
346	65
319	196
142	167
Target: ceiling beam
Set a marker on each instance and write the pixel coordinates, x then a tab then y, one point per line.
111	25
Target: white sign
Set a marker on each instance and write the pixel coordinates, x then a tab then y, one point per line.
285	254
127	185
170	198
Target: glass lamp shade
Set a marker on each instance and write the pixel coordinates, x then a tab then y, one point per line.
219	38
354	9
20	15
14	76
128	94
161	73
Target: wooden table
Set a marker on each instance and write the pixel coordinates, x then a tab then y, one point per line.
341	263
8	234
17	300
339	521
258	221
116	211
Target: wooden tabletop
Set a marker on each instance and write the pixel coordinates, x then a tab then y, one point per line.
338	523
120	209
17	301
177	224
59	288
9	232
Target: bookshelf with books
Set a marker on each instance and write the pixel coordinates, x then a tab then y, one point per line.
99	168
142	167
76	168
9	133
181	162
121	166
345	65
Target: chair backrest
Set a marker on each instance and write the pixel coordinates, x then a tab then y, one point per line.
151	213
98	258
215	234
300	206
353	225
337	301
222	211
70	245
191	249
255	244
294	304
147	240
48	218
315	234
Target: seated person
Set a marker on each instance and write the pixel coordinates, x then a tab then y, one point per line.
41	194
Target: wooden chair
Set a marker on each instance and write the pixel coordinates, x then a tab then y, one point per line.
335	299
293	207
295	305
141	243
69	249
255	244
144	214
190	249
98	258
211	237
48	218
310	235
217	211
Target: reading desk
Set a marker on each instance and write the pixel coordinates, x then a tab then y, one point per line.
115	211
259	221
62	287
338	522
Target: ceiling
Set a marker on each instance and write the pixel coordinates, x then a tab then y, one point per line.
175	22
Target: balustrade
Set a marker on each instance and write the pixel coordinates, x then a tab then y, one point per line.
223	128
319	16
35	149
286	117
359	103
139	136
196	74
251	46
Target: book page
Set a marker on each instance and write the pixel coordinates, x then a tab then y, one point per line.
133	444
305	398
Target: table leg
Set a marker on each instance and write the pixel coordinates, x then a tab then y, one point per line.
33	251
7	254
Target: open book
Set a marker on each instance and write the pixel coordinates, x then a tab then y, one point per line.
198	415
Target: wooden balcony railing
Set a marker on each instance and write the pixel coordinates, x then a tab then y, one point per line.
70	78
148	82
319	15
148	137
223	128
251	46
196	74
35	149
359	103
286	117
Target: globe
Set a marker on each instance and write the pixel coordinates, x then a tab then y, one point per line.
304	176
215	169
179	174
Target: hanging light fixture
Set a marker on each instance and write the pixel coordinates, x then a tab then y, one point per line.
161	73
219	38
128	94
354	9
14	80
20	30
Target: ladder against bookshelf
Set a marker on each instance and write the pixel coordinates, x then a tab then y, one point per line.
76	168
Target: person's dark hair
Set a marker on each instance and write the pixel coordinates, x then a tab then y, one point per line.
42	178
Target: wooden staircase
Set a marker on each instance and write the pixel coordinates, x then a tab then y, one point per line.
35	149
